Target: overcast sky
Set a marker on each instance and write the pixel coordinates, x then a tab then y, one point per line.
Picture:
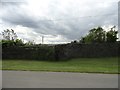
59	21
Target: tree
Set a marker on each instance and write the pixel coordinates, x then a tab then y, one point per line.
9	35
112	35
99	35
95	35
10	39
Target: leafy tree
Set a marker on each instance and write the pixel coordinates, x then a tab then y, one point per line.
10	39
112	35
9	35
94	35
99	35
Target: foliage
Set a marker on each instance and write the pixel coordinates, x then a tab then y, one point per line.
112	35
10	43
95	35
10	39
7	43
99	35
19	42
9	35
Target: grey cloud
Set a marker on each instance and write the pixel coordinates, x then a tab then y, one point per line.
68	27
9	1
7	4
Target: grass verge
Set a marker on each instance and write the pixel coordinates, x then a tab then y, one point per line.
82	65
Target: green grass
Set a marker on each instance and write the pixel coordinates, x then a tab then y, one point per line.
0	64
83	65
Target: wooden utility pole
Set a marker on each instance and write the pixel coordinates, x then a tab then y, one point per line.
42	39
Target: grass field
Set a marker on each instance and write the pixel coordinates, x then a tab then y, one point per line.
83	65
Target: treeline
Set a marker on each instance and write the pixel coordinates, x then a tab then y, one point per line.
95	35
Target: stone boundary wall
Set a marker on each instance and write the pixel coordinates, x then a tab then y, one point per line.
97	50
30	53
61	52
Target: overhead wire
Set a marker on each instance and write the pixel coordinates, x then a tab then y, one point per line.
73	18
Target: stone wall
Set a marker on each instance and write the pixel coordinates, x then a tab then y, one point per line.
30	53
87	50
62	52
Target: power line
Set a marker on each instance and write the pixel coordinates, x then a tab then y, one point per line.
79	17
71	18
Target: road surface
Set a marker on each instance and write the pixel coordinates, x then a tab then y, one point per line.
30	79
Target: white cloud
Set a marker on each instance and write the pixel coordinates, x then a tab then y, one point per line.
58	20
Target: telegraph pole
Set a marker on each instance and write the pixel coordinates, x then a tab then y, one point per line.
42	39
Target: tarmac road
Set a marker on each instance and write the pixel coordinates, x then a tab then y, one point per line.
30	79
